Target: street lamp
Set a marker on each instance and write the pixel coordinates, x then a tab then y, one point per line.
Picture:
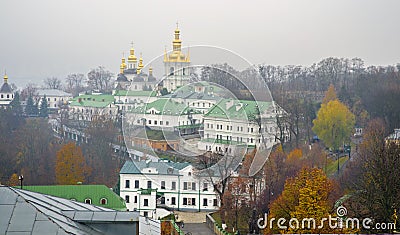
21	178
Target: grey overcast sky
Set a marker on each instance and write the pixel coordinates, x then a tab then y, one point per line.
46	38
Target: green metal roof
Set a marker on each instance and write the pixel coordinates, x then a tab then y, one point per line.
81	192
164	107
98	98
239	109
135	93
157	135
189	126
97	101
147	191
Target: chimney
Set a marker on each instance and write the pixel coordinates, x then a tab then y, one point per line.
238	106
229	104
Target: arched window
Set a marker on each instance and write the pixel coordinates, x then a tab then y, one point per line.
88	201
103	201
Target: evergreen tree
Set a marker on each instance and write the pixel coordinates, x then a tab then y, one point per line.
16	105
30	106
44	112
164	91
35	109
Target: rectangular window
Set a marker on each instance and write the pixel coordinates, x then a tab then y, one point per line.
155	122
127	183
146	214
135	199
167	123
215	202
173	185
173	201
193	186
193	201
146	202
185	185
205	202
185	201
212	126
162	184
149	121
127	198
205	186
148	184
161	123
136	183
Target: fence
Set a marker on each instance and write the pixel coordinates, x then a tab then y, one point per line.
215	227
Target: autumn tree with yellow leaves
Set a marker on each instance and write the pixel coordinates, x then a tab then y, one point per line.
330	94
308	195
335	122
70	166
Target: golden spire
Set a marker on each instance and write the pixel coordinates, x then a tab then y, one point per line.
132	58
122	67
177	43
165	54
5	77
150	71
140	66
188	56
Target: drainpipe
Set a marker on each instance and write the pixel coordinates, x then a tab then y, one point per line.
199	194
179	191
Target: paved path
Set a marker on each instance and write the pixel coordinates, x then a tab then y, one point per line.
195	223
191	217
197	229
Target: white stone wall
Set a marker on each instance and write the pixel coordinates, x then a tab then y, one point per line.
179	193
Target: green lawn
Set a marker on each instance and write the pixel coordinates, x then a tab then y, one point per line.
331	167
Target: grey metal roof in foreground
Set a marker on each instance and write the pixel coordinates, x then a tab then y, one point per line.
25	212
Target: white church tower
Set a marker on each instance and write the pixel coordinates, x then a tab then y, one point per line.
177	65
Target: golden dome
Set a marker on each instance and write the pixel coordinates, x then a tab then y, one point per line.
122	67
132	57
140	66
176	55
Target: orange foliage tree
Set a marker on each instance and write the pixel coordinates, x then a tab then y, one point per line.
305	196
330	94
13	181
70	166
